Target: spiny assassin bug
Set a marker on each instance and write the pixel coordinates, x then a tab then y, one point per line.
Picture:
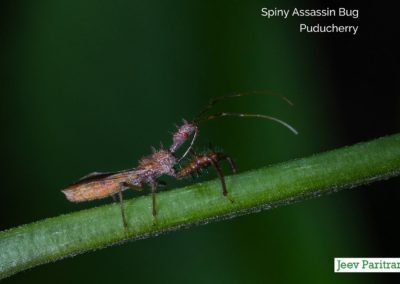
98	185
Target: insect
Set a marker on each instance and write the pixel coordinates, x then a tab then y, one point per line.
98	185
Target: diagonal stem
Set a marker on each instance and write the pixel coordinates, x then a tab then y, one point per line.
67	235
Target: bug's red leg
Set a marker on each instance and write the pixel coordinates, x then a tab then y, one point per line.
220	175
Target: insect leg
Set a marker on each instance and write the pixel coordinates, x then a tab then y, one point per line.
153	185
196	133
231	162
220	175
121	202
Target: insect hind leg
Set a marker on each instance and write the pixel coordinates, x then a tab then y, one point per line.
123	185
121	203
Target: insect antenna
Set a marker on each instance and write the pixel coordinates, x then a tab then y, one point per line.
256	115
215	100
202	116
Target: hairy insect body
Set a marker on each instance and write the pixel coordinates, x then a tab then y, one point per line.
160	163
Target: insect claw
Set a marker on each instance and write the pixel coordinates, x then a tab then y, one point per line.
153	149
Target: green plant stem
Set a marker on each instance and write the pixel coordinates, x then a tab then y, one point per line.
67	235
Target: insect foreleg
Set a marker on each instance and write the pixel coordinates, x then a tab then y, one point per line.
196	133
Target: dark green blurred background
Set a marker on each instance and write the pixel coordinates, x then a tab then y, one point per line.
91	85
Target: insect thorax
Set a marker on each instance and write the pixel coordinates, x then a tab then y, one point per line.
159	163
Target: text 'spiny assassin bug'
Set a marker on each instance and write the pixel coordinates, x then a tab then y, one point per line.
98	185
